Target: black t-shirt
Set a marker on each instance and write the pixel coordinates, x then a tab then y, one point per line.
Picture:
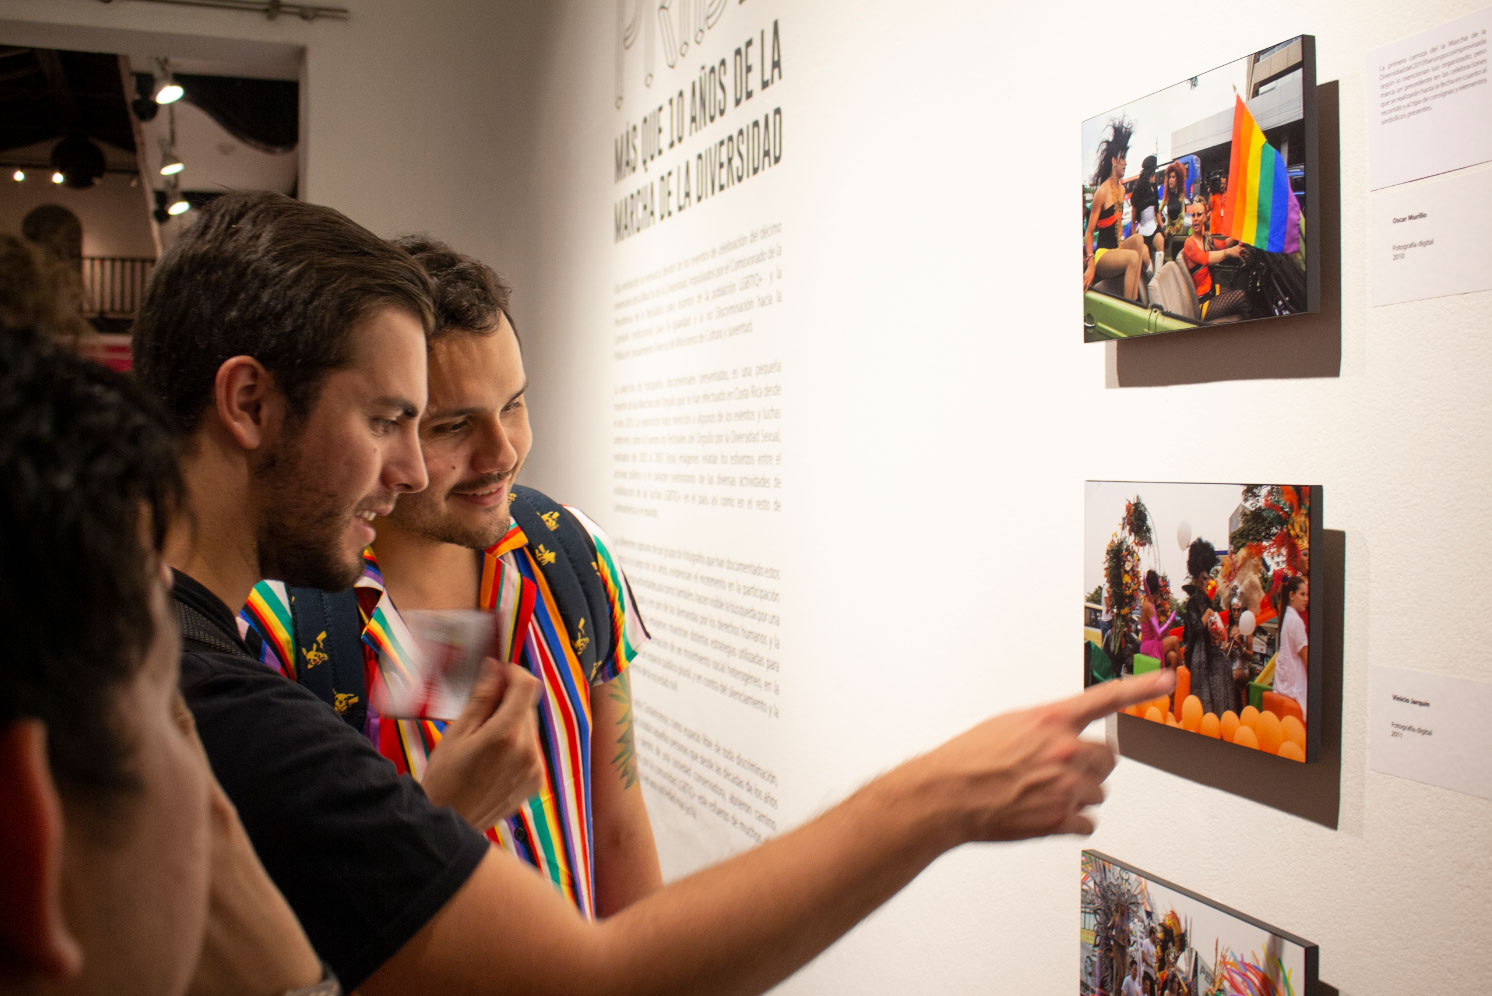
364	858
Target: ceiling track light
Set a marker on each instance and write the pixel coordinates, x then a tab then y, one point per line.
176	203
271	9
171	164
18	175
166	90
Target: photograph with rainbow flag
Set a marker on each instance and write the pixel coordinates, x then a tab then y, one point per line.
1199	200
1143	935
1212	581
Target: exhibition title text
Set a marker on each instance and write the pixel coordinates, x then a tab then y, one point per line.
679	172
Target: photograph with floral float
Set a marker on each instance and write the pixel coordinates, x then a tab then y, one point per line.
1212	581
1144	936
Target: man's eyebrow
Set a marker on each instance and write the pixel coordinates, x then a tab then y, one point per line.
403	406
438	413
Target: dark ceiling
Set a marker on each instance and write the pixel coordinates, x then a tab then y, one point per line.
47	94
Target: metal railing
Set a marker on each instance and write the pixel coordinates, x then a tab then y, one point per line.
114	285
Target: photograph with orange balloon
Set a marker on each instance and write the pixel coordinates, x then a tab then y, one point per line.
1212	581
1142	934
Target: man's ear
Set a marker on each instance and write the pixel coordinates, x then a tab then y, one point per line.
246	400
34	940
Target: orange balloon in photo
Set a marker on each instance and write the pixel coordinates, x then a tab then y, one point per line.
1191	712
1249	716
1210	727
1269	732
1295	731
1245	738
1171	721
1153	714
1228	725
1292	751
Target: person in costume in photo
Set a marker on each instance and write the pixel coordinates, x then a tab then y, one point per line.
1175	200
1104	255
472	538
1144	204
1211	672
1212	301
1291	661
1155	640
1217	214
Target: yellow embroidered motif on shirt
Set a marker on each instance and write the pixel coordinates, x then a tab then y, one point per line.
316	655
546	556
343	701
581	640
551	519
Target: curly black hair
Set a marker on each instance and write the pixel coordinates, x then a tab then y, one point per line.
1201	558
469	295
91	470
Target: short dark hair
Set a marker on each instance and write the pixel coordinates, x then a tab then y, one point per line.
263	275
469	295
90	468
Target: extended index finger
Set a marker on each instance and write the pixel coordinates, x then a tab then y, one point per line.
1111	696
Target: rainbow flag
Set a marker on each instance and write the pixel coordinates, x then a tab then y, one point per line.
1262	209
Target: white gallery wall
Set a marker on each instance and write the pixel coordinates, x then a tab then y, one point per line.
939	414
928	415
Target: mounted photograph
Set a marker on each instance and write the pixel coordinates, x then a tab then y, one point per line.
1143	935
1212	581
1199	200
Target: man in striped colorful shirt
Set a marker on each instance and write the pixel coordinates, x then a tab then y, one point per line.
289	347
455	546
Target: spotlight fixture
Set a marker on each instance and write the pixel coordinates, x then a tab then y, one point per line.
166	90
18	175
58	178
175	202
171	164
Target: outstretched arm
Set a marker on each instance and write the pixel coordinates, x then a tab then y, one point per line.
747	923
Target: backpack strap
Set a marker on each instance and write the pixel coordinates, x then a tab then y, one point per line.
199	633
329	650
567	558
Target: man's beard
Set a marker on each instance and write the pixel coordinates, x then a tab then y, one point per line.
302	530
424	514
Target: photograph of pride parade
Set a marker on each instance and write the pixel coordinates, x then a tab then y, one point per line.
1213	581
1196	200
1144	936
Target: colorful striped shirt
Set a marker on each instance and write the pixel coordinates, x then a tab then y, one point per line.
552	830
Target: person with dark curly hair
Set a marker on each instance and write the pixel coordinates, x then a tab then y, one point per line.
1211	673
107	798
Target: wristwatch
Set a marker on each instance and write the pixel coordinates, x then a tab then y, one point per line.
328	986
